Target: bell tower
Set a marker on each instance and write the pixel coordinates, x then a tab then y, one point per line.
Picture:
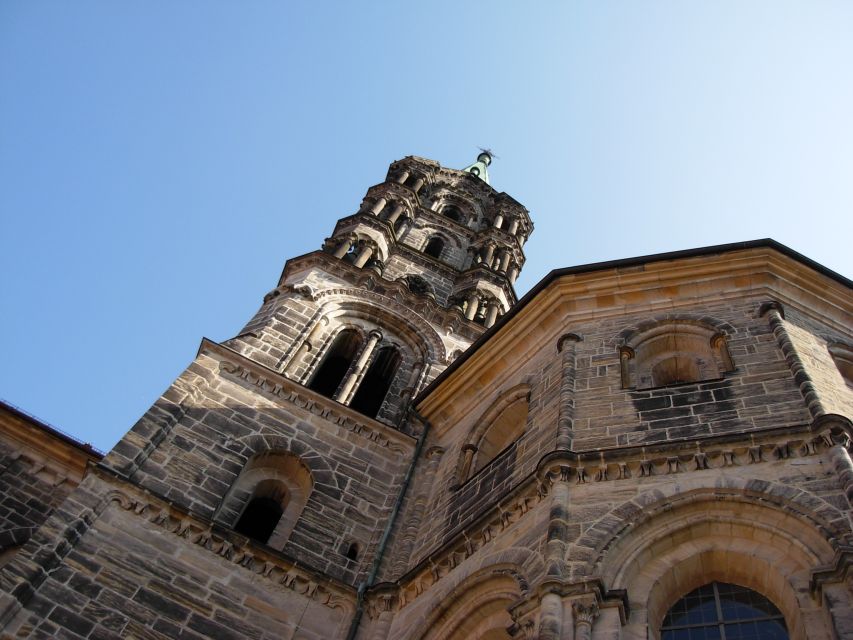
265	480
400	288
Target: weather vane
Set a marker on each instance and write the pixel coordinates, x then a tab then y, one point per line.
490	152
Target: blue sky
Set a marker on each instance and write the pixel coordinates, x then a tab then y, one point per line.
159	161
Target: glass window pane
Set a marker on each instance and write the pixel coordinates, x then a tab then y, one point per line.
699	614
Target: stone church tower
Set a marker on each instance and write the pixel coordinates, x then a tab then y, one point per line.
395	447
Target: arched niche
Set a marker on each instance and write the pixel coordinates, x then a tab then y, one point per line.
495	430
701	539
476	609
271	476
674	351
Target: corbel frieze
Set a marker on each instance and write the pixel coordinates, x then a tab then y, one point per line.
232	547
271	383
569	467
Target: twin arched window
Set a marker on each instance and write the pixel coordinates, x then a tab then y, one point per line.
343	366
336	363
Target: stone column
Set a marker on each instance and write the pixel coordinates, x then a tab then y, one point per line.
343	248
465	462
492	313
363	255
378	206
584	612
504	263
490	252
402	227
558	521
403	177
551	617
513	226
357	371
384	611
512	273
469	257
565	421
307	344
625	356
776	316
843	465
418	184
473	305
395	213
499	220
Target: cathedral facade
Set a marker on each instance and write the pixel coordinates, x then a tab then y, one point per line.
397	448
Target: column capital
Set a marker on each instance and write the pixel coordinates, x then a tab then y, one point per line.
585	611
771	305
567	337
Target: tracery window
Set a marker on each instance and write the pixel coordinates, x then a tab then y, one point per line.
723	611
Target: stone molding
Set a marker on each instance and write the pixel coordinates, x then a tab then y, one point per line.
563	466
273	384
233	547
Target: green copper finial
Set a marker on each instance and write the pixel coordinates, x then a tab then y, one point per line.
480	168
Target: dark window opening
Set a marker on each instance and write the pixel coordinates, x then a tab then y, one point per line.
434	247
260	518
335	365
721	610
351	254
352	552
453	213
376	383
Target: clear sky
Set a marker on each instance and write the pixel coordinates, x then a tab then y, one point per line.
160	160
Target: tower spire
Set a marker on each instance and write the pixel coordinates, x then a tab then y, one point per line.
480	167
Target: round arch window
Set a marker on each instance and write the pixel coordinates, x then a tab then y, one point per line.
721	611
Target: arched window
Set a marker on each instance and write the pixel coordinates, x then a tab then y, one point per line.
266	500
452	212
263	512
722	610
352	551
434	247
376	382
674	352
336	363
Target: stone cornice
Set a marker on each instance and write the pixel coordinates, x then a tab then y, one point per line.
638	462
278	388
374	284
243	552
568	298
